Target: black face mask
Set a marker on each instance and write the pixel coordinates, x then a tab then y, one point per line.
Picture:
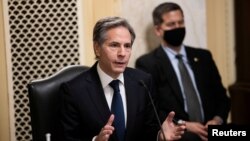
175	36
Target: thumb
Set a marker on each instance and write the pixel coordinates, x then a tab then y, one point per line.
170	116
111	120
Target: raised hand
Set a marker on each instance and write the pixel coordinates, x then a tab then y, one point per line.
106	131
171	130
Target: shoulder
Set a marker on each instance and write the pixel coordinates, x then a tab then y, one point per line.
136	77
151	57
202	52
151	54
136	74
84	78
197	49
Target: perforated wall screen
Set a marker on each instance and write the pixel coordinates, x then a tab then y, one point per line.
43	39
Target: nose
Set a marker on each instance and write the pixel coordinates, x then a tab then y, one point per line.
121	51
177	25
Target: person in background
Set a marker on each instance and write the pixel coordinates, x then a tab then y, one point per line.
186	78
107	102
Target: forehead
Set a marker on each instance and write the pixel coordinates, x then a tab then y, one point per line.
171	16
120	32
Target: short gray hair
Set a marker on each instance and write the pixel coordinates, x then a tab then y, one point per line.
104	25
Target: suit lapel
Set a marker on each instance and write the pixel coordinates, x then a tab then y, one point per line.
97	96
130	87
170	76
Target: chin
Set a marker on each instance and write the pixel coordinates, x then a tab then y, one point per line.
119	70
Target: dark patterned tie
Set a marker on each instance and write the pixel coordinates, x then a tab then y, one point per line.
193	104
117	110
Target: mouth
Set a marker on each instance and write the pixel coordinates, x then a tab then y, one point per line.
119	63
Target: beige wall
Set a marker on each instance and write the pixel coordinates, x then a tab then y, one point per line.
220	40
92	11
4	108
220	37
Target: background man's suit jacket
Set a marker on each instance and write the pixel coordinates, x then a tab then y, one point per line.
207	78
85	110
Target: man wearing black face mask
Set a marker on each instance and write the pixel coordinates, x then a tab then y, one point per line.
186	78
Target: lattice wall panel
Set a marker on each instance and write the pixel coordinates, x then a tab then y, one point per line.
43	39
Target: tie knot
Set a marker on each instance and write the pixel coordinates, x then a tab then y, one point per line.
115	85
179	56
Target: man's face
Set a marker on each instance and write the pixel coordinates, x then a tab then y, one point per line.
171	20
115	52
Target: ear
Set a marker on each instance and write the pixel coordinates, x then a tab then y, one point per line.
97	49
157	30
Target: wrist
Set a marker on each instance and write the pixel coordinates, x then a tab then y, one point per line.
160	136
218	119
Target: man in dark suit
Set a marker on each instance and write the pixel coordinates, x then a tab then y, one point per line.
88	111
173	92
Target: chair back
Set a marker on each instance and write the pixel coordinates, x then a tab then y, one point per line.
44	102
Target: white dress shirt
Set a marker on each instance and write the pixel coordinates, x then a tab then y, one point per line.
108	90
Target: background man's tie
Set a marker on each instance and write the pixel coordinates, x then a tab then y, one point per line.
117	110
193	104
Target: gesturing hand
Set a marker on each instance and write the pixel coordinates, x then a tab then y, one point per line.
106	131
171	130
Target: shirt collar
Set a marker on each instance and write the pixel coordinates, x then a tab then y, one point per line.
106	79
171	53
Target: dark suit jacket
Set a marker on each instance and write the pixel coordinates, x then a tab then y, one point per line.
168	95
85	110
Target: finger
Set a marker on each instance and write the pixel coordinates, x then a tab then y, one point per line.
107	132
180	129
204	133
179	133
202	130
111	120
106	137
108	128
170	116
176	137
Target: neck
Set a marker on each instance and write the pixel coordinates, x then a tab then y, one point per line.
174	48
